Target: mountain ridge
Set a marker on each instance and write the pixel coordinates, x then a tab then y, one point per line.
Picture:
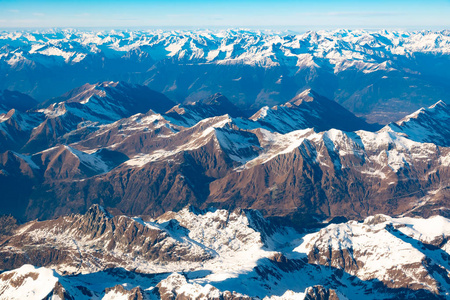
93	255
149	161
381	75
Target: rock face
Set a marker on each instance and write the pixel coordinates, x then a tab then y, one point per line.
319	293
108	241
176	287
118	292
217	254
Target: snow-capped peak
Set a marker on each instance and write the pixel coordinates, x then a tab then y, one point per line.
425	125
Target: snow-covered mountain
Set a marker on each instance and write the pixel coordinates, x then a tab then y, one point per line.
16	128
262	48
106	102
78	112
254	184
309	110
382	75
427	125
119	193
308	157
218	254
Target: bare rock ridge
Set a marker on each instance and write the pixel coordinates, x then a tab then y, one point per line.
319	293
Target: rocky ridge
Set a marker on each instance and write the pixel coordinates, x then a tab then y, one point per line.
148	163
107	257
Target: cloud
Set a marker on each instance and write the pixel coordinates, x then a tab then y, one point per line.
38	14
14	11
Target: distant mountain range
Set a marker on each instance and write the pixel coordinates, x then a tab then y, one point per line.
381	75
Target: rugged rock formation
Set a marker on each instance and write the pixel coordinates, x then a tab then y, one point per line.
319	293
96	241
215	254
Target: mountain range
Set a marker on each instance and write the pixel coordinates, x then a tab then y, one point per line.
133	150
224	165
195	254
382	75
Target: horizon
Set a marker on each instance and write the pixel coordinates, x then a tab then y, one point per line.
184	29
200	14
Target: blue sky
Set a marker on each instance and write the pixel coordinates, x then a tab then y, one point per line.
283	14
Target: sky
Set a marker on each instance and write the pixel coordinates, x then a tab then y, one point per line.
202	14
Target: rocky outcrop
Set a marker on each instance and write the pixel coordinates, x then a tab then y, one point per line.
320	293
175	287
119	291
96	241
59	292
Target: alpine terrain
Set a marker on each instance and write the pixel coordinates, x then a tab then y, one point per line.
224	165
